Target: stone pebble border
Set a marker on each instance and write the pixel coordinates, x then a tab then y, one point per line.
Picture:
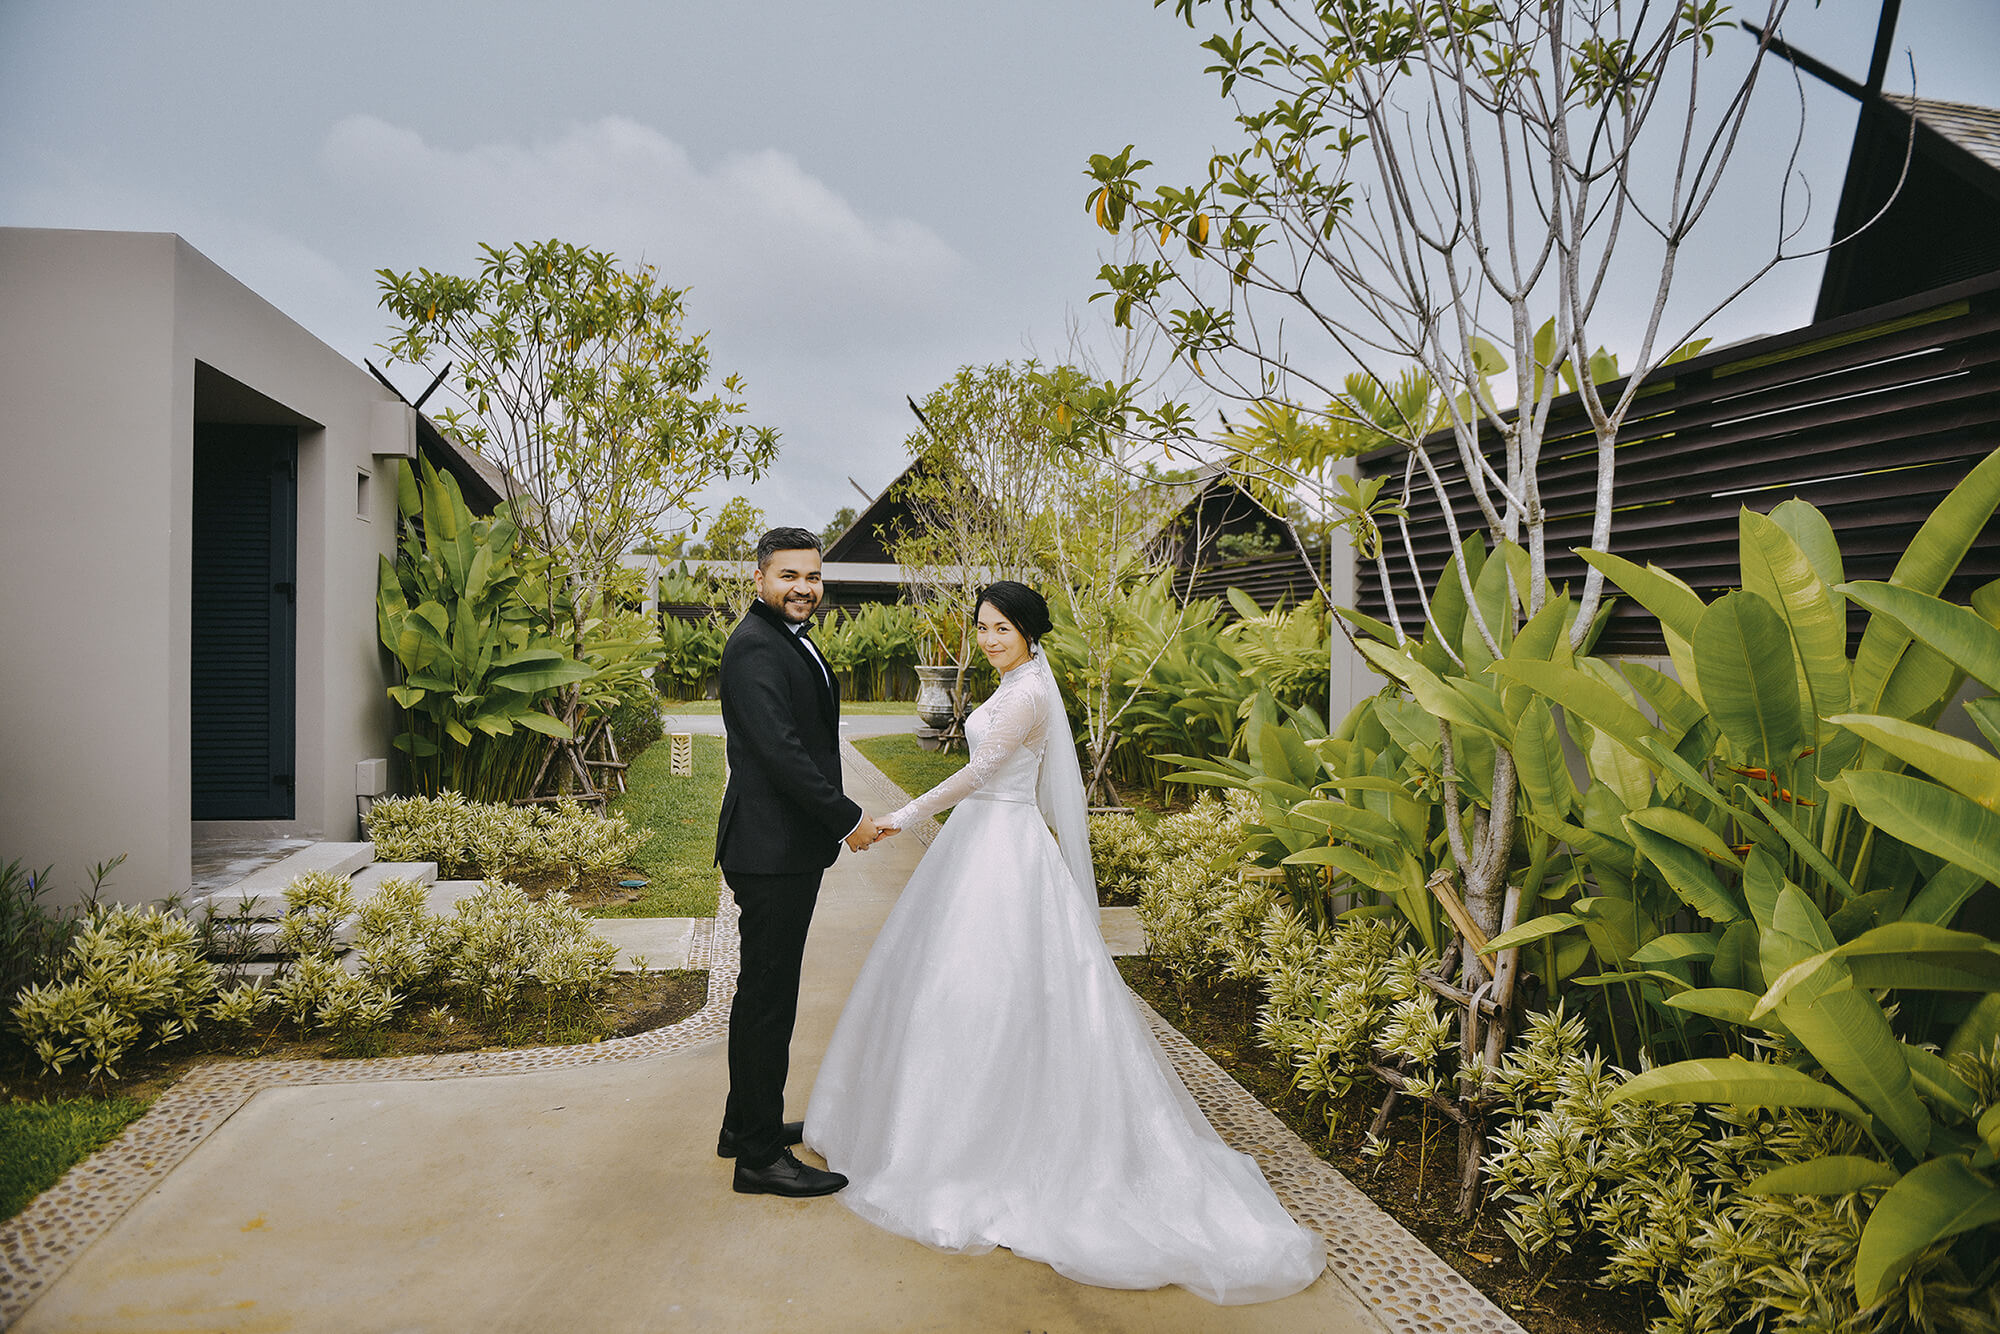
1406	1285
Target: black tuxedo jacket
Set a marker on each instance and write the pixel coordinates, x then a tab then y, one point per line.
783	812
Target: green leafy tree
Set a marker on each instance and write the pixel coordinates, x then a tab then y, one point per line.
580	378
1416	188
1108	585
732	534
981	497
843	519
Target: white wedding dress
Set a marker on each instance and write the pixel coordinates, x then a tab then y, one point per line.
992	1083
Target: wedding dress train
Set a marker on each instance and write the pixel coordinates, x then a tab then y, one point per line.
991	1082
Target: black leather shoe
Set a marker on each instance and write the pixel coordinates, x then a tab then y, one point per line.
786	1175
790	1133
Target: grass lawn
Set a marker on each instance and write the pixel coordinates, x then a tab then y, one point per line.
44	1139
709	708
679	860
909	765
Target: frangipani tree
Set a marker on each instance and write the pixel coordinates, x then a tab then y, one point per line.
981	497
580	378
1433	213
1417	185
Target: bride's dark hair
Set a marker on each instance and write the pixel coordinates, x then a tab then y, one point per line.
1020	604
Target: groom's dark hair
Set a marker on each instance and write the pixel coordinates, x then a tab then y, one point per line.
785	539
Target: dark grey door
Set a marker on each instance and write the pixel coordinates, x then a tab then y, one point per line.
244	655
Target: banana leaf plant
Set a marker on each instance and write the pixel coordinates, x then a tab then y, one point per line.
1777	770
1830	928
457	610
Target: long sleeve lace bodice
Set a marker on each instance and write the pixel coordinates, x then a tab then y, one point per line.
1007	734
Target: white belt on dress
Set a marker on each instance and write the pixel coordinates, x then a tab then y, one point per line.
1001	796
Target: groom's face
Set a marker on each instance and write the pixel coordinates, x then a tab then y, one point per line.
789	584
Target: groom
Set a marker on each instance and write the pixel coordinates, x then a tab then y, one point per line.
783	820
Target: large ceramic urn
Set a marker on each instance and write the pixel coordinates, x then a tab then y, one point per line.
934	694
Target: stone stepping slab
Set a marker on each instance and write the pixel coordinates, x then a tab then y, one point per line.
667	942
1122	931
264	889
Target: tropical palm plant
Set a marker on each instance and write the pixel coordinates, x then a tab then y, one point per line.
457	609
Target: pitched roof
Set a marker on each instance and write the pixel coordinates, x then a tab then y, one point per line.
1975	129
866	539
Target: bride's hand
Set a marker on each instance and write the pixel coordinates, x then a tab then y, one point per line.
883	831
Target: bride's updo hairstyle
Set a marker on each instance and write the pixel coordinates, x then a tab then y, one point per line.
1021	605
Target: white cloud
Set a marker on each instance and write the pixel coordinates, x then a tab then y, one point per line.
771	250
832	316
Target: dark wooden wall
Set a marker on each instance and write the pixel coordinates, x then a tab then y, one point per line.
1873	417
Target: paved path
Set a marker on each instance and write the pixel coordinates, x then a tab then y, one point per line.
585	1198
852	725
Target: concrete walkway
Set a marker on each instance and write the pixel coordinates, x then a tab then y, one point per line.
586	1198
852	726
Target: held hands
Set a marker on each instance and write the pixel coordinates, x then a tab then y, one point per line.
868	833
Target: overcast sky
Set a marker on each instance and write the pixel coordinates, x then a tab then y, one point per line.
863	196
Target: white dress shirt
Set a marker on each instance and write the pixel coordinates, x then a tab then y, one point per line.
812	650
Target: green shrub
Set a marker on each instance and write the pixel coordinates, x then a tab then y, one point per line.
312	987
317	904
635	724
1195	872
1197	885
131	975
693	654
1330	996
399	942
1665	1193
138	978
1124	855
467	838
34	938
501	939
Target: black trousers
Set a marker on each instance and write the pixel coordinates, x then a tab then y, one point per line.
776	913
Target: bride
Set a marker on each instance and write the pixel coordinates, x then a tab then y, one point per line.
991	1082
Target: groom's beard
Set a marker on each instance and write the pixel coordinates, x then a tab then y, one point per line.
794	607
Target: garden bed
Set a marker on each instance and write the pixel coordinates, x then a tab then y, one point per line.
53	1121
1415	1182
634	1003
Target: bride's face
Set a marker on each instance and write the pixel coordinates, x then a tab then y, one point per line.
1004	646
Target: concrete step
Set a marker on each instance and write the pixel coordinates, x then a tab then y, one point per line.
369	878
441	896
665	941
1122	931
264	889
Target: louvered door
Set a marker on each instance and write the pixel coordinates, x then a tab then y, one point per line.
243	668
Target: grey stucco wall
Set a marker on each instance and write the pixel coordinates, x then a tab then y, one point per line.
100	333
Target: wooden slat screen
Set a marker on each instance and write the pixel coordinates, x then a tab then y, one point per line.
242	652
1872	417
1280	579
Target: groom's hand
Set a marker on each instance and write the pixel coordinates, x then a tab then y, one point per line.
863	835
